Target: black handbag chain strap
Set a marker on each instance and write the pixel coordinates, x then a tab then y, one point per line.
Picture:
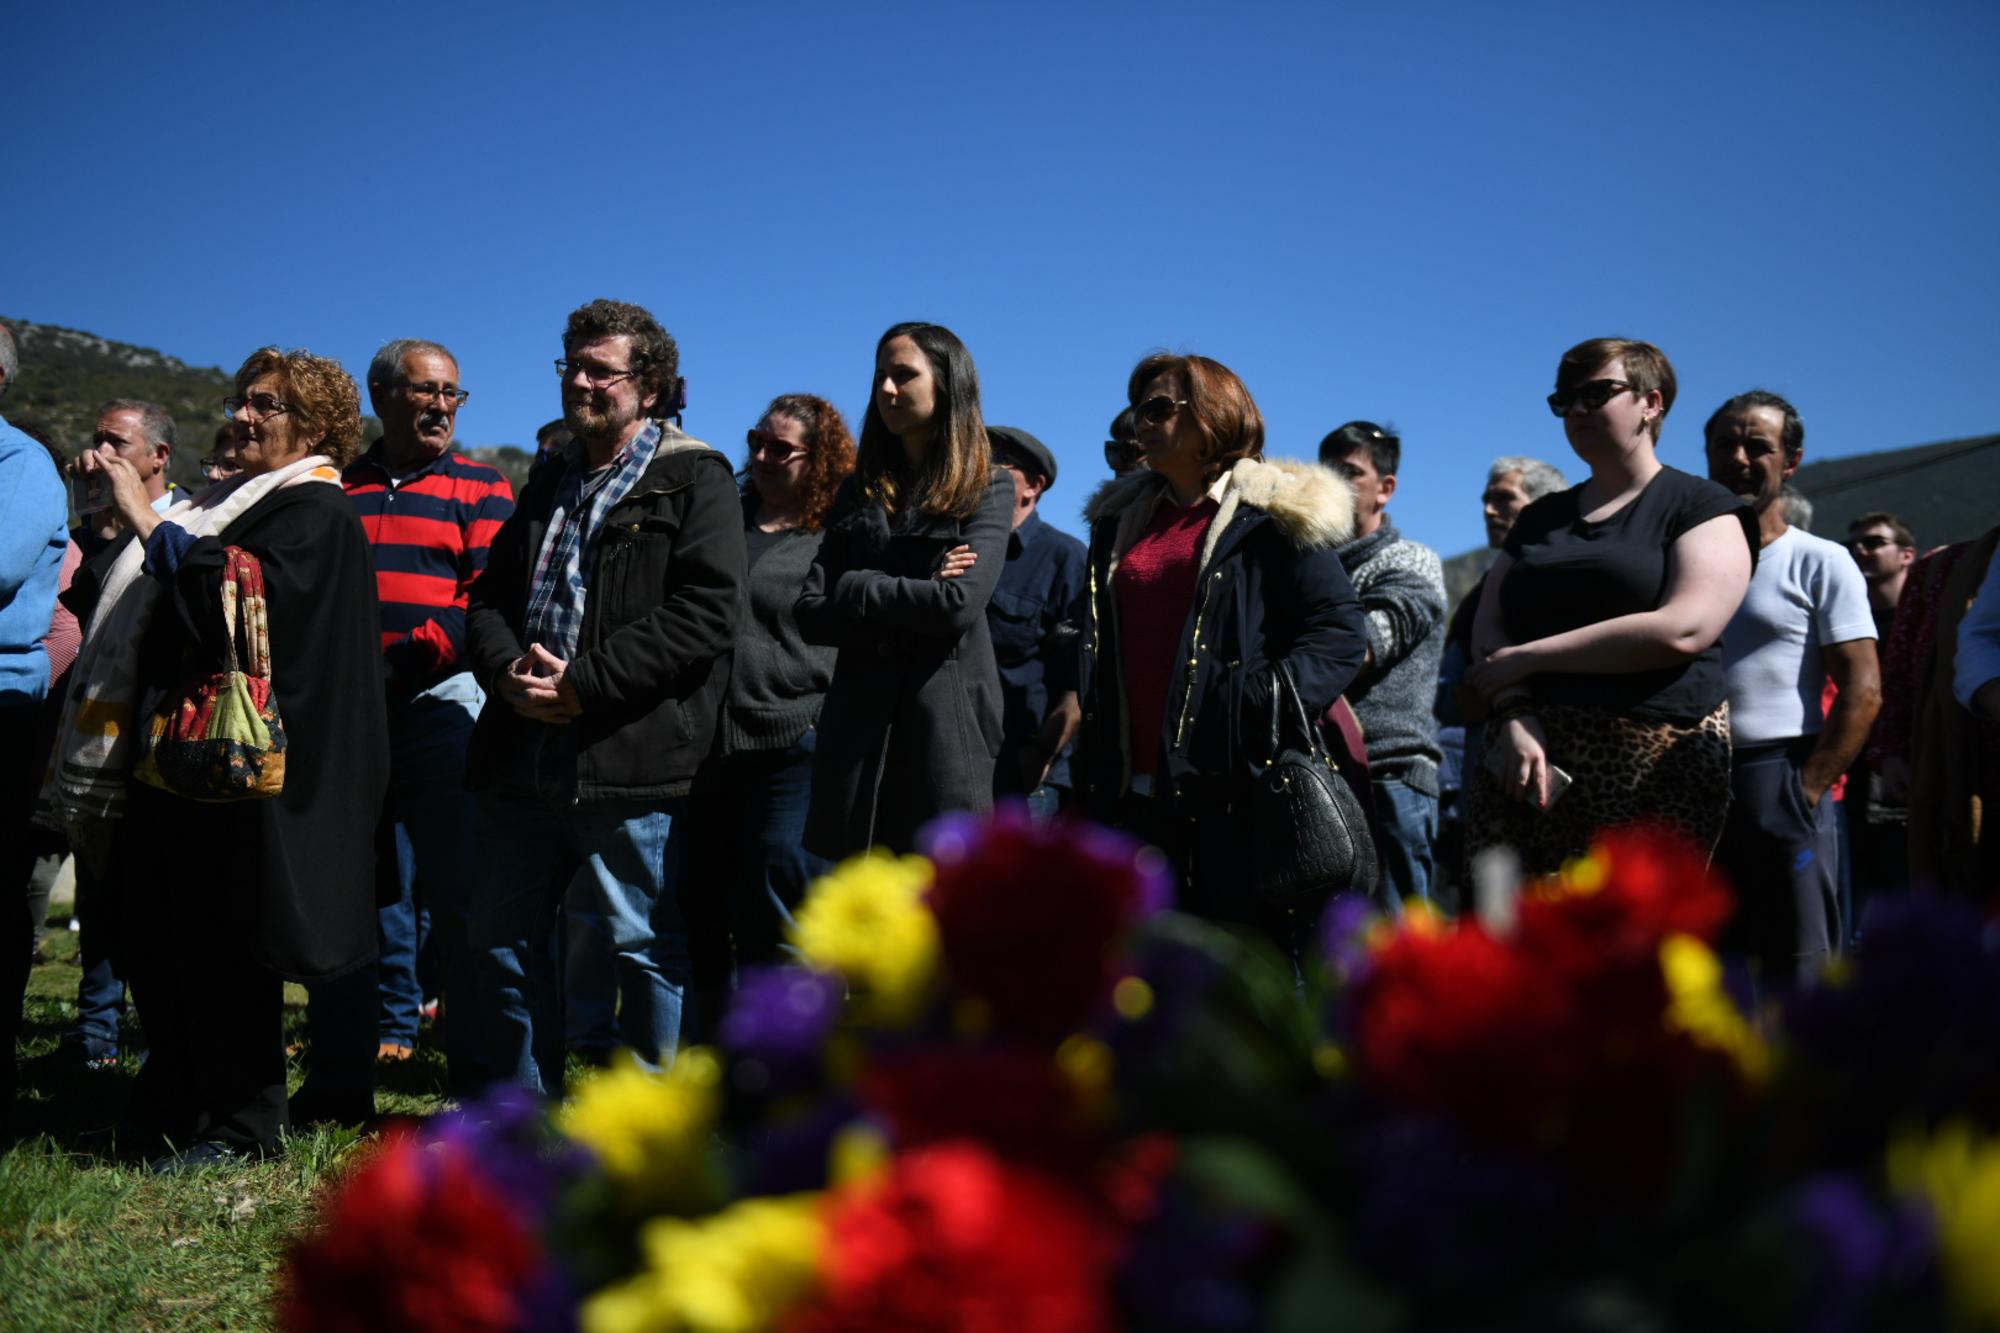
1285	692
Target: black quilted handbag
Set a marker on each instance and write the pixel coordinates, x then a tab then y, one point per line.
1309	837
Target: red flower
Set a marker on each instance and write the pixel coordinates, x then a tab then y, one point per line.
954	1238
1554	1038
1027	915
413	1239
1011	1099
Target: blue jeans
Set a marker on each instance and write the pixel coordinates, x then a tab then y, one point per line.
100	991
1406	840
408	962
616	862
746	867
349	1017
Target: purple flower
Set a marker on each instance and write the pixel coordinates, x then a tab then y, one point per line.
505	1134
1864	1253
776	1029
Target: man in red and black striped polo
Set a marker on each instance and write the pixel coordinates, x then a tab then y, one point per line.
430	513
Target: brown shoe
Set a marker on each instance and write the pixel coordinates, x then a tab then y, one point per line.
393	1051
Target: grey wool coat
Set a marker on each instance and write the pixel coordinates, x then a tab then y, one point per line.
912	721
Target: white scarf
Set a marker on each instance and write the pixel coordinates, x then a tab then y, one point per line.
94	747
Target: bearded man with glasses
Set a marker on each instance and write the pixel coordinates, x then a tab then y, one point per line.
602	632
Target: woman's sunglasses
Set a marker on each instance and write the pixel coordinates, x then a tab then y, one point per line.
778	450
1592	394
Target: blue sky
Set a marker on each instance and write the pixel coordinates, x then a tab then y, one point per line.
1395	212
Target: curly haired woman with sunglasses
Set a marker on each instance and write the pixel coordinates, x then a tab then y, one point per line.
1598	637
914	545
1209	569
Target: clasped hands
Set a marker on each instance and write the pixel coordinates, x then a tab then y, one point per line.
537	686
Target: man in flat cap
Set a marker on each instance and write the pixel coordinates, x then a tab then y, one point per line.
1032	616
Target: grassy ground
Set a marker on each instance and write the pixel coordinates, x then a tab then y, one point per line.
89	1243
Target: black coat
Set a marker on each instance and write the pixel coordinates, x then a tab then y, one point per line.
292	875
1270	587
911	724
663	604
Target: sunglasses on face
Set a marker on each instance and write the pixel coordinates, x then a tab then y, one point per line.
1121	454
1591	395
1871	542
771	447
1157	410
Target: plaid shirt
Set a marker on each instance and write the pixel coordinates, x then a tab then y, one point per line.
583	498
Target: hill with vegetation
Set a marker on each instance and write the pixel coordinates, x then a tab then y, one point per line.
67	374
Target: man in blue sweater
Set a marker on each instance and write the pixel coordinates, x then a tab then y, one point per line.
32	538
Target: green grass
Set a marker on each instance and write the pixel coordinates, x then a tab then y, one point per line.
89	1243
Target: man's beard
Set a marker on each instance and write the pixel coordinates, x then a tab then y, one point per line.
587	423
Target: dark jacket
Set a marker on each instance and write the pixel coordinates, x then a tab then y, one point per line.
911	724
1034	641
291	876
1270	586
663	604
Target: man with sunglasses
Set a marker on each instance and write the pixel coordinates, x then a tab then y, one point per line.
1122	453
1804	618
1033	618
429	514
1884	548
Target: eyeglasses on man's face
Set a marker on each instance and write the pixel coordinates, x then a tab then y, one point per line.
1871	541
257	405
1589	395
597	377
449	392
1121	454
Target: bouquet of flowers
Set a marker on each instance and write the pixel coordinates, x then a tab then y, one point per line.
1006	1087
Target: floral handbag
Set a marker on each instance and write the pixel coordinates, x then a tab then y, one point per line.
220	738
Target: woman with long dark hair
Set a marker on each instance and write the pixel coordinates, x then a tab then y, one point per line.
1212	572
914	544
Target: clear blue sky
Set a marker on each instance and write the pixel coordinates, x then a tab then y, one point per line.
1397	212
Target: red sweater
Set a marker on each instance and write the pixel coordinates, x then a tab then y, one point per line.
1155	590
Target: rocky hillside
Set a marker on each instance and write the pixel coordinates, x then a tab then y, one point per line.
66	374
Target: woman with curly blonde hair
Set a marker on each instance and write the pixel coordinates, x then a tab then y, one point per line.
227	899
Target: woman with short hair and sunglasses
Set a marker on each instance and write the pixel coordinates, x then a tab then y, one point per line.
1598	637
224	900
745	867
914	545
1209	570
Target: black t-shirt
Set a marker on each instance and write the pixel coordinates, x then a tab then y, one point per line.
1568	573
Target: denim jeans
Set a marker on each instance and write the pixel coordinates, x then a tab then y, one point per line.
348	1018
408	962
1406	840
617	862
746	867
100	991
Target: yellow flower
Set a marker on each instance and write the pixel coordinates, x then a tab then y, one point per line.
651	1130
1959	1176
738	1271
867	921
1700	1007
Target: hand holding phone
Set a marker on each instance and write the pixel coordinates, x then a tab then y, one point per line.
1559	781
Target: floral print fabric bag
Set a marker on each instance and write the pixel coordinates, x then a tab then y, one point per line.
220	738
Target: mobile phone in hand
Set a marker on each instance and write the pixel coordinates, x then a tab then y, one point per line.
1559	781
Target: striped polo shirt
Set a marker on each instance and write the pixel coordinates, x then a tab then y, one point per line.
430	532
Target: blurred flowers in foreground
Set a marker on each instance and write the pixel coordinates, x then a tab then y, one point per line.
1010	1089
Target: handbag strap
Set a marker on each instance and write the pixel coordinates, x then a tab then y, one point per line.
244	615
1286	705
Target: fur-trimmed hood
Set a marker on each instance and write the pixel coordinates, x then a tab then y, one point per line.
1312	505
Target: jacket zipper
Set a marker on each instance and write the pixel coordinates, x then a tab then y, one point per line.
1194	660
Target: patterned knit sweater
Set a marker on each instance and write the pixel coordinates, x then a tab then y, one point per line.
1401	587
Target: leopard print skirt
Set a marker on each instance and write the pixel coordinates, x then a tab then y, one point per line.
1623	770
